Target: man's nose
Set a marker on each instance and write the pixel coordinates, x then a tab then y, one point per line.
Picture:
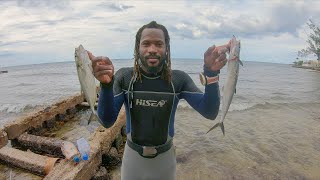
152	48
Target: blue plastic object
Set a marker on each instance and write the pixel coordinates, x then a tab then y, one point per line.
83	148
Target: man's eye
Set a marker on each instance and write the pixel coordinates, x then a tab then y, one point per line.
159	44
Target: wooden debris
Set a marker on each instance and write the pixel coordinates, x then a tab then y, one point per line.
3	138
102	174
112	158
100	143
28	160
22	124
118	142
40	144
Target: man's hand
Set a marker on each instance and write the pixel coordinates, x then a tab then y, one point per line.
103	69
215	57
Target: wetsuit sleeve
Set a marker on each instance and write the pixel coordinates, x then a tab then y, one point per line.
207	103
111	99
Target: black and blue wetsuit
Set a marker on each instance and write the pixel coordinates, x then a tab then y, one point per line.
150	110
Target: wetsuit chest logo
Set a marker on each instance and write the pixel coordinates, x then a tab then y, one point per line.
150	103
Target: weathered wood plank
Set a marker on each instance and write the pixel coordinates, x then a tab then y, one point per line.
41	144
28	160
3	138
22	124
100	143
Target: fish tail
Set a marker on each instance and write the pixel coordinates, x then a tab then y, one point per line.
93	116
220	124
216	125
222	128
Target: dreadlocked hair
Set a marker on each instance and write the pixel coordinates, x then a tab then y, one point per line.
166	71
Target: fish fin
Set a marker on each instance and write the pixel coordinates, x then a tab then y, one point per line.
93	116
240	62
222	128
216	125
235	91
221	125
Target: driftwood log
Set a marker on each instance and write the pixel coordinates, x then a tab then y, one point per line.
22	124
28	160
40	144
100	143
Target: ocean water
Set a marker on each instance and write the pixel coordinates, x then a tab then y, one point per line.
272	127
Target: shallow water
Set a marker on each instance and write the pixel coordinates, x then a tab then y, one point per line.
273	141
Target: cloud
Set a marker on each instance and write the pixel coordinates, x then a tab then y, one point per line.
36	4
6	54
115	6
2	44
222	21
56	27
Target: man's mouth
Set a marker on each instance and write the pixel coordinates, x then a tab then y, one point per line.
152	59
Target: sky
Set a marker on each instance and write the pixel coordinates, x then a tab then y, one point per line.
40	31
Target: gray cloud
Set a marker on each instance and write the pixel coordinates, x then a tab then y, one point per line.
289	17
35	24
114	6
2	44
120	29
47	26
278	19
43	4
7	53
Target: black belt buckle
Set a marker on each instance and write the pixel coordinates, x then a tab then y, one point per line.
149	151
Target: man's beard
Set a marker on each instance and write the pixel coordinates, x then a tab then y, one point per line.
152	69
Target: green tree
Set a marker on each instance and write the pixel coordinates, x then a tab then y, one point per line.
303	53
313	40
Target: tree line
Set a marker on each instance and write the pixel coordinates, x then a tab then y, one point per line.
313	42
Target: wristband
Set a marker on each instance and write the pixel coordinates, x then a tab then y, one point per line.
205	80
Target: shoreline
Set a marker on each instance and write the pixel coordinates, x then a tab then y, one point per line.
307	67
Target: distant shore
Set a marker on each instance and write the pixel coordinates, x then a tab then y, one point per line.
309	64
306	67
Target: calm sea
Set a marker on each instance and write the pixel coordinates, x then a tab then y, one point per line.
272	128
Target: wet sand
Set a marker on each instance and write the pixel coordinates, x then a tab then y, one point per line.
272	141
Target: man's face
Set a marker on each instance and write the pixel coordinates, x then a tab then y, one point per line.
152	49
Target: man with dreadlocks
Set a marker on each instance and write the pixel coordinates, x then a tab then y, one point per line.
150	92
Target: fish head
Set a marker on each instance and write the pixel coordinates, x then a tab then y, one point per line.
77	58
81	57
234	48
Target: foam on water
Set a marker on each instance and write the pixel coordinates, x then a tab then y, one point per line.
17	108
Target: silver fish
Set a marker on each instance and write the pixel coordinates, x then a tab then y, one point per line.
229	88
87	80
